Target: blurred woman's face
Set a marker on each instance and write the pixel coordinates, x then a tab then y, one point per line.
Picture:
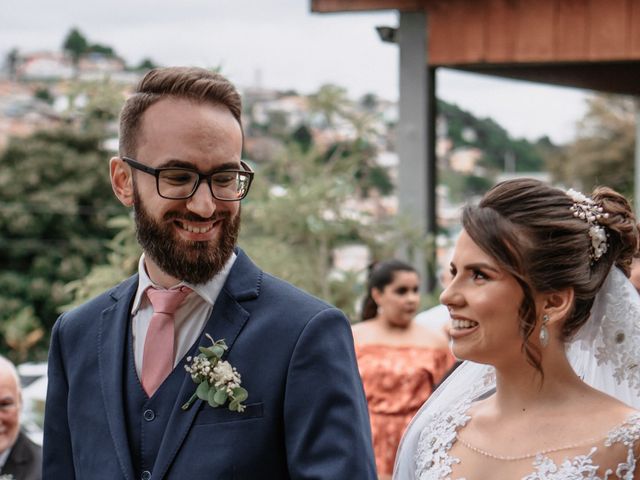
484	302
398	301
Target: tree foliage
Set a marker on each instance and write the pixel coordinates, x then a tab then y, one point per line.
55	201
301	210
75	44
55	207
329	102
465	130
294	218
604	149
146	64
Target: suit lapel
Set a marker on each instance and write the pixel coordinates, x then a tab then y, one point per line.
112	340
226	322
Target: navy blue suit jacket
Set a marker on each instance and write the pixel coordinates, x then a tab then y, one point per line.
306	412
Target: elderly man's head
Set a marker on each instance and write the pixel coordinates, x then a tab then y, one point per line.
10	404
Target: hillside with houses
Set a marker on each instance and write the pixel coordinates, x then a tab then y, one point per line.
327	157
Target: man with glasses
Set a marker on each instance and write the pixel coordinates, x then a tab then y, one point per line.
20	458
127	396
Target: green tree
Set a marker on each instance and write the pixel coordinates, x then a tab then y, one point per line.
101	49
55	202
298	246
75	44
44	94
146	64
330	101
603	151
491	138
11	63
369	101
55	207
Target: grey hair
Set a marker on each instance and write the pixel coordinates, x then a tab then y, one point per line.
6	364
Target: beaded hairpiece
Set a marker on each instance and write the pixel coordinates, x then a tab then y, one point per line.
585	208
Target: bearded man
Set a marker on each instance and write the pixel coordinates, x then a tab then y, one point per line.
275	392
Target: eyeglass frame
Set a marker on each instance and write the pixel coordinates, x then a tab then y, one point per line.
132	162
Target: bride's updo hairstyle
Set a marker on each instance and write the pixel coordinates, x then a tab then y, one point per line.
528	227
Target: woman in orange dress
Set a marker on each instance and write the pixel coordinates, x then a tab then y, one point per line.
400	361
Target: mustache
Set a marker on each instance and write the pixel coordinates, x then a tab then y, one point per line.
192	217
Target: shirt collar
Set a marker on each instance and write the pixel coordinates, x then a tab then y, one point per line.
207	291
4	456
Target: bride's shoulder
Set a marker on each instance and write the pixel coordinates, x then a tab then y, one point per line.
628	429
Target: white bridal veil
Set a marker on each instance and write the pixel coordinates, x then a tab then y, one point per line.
605	353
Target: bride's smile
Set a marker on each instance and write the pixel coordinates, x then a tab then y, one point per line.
484	302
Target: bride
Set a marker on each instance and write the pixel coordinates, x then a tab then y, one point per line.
530	401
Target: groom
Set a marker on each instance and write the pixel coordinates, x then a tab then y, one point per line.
117	376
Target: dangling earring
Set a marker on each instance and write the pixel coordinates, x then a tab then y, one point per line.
544	333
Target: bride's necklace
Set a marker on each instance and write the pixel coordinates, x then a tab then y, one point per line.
510	458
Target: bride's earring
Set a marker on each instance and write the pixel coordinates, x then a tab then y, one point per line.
544	332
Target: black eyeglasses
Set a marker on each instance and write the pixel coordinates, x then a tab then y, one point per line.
177	183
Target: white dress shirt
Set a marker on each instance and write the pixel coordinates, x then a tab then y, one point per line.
189	319
4	456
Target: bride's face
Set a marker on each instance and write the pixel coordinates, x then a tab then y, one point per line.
483	301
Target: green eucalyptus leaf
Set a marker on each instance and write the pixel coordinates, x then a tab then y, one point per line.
217	350
203	391
211	398
233	405
220	397
240	394
208	351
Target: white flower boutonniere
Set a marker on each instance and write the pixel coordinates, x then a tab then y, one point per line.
7	476
218	382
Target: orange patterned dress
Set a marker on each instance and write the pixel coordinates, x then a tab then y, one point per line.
397	380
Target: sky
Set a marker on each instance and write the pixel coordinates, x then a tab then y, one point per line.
281	44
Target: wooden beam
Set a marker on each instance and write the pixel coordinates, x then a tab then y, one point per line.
608	36
330	6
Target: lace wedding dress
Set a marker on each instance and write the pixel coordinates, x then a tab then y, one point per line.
434	462
605	353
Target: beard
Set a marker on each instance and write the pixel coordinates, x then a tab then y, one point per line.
190	261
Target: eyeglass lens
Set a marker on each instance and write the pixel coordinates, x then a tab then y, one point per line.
179	183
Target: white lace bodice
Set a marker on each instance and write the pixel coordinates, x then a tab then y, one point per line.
433	461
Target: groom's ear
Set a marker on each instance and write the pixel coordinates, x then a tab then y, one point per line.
121	181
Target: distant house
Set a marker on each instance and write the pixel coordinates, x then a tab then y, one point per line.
44	66
464	159
293	109
99	62
21	113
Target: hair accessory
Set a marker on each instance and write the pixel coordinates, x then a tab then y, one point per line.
585	208
544	332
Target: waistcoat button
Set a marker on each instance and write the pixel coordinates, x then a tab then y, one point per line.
149	415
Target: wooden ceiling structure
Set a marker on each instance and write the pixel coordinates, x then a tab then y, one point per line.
592	44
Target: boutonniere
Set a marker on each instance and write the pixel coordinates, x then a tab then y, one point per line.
218	382
7	476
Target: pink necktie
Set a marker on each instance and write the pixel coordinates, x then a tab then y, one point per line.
159	345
